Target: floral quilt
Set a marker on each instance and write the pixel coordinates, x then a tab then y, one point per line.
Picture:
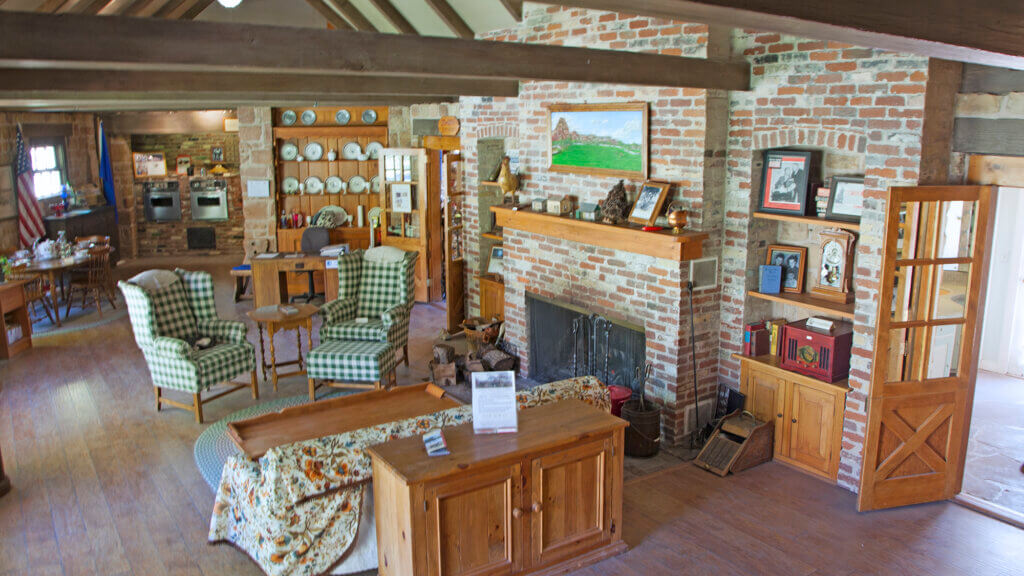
296	511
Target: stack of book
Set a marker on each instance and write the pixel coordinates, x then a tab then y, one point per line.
821	200
760	338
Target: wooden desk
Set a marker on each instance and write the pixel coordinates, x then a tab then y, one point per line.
547	499
12	301
269	282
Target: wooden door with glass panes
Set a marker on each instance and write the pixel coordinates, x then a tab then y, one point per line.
454	261
926	344
408	218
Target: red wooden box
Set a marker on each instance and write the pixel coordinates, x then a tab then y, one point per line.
825	356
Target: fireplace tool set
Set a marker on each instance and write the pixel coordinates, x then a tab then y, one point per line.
590	330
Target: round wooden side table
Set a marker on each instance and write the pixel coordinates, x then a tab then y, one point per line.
273	320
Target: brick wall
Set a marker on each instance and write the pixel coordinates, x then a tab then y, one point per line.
642	290
864	108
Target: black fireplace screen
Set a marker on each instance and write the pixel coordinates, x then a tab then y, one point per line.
567	341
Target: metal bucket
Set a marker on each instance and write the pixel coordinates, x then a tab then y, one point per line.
643	437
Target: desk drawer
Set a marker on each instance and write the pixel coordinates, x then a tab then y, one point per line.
11	298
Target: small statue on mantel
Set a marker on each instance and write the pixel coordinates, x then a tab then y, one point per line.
507	180
616	205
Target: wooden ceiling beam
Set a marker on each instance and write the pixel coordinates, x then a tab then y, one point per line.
353	15
110	42
328	13
990	33
388	10
514	7
77	105
451	18
173	8
92	6
139	8
196	9
51	6
77	81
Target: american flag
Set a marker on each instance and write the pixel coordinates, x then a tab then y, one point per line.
30	218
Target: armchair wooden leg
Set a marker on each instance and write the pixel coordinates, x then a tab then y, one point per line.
255	386
405	353
158	392
312	390
198	406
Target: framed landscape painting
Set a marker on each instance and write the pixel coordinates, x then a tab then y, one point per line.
602	139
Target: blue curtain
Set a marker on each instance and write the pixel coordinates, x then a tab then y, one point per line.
106	171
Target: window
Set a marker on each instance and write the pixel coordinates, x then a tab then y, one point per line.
47	167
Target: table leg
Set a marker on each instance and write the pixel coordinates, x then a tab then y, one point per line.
263	354
53	295
298	346
273	355
309	335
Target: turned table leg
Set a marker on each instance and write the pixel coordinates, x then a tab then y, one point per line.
263	354
273	355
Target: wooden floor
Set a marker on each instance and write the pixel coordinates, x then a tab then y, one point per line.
105	485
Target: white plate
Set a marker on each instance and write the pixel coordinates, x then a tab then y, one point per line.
341	216
308	117
288	117
357	185
314	185
369	116
290	185
373	150
334	185
313	152
289	152
343	117
375	184
351	151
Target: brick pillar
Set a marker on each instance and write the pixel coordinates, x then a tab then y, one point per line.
256	162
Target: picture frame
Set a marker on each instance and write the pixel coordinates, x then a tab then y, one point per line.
149	164
496	263
792	272
217	154
785	180
608	139
182	163
401	198
648	203
845	199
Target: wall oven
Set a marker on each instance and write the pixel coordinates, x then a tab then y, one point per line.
161	201
209	199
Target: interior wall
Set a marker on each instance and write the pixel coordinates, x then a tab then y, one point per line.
1005	280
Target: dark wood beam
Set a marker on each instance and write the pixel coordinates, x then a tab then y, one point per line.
332	17
77	105
514	7
451	18
353	15
93	6
196	9
51	6
1003	137
173	8
193	122
990	33
110	42
988	80
139	8
394	16
133	82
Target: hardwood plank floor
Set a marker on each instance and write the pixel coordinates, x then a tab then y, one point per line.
105	485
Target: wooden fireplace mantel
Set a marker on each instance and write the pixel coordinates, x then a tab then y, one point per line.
687	245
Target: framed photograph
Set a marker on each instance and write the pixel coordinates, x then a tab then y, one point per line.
183	163
602	139
217	154
846	199
649	202
785	180
401	198
792	259
496	264
149	164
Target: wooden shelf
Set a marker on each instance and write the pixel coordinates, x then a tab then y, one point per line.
774	363
490	236
489	183
329	131
324	161
629	238
809	220
808	302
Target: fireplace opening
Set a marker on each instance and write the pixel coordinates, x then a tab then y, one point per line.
201	238
598	346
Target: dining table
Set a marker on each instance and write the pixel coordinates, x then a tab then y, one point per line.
54	269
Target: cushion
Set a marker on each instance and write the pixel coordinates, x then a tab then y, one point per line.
350	330
350	269
384	254
223	362
343	361
172	314
382	287
154	280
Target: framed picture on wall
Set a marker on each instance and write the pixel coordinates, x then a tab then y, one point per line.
845	199
792	259
149	164
401	198
496	263
183	162
599	139
786	176
648	203
217	154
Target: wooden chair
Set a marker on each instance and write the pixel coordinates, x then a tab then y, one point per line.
93	240
94	280
37	291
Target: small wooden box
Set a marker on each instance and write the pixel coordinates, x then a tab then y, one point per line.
559	205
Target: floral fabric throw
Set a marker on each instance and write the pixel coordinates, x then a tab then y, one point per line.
296	511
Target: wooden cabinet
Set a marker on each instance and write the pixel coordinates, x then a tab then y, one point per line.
492	297
14	305
547	498
290	240
98	221
808	413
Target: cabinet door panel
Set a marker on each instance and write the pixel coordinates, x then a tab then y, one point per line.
766	399
811	424
470	525
571	499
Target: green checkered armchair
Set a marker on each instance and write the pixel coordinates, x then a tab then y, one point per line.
381	292
168	316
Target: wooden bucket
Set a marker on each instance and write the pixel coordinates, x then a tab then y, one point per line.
643	437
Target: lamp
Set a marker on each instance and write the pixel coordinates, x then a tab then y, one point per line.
229	3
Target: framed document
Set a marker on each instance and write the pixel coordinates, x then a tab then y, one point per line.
494	402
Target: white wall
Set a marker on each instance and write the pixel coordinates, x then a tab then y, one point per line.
1004	304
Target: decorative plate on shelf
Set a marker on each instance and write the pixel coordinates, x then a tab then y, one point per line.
341	216
351	151
375	184
308	117
290	185
334	185
289	152
373	150
313	152
357	184
314	185
288	117
369	116
343	117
